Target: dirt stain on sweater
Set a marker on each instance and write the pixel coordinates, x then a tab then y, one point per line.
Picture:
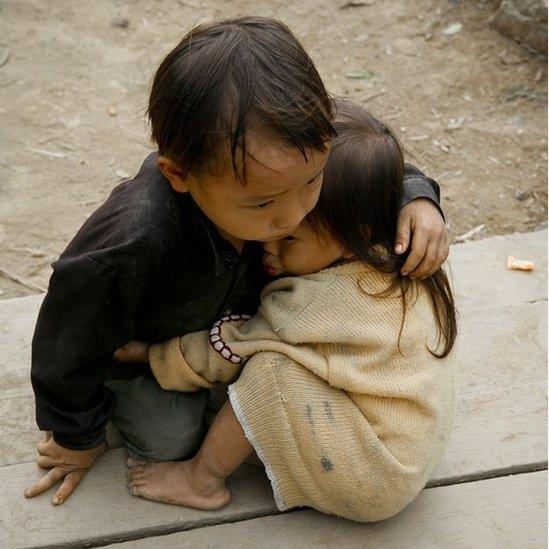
328	410
309	411
327	464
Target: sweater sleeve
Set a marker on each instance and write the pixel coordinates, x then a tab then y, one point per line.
171	368
200	359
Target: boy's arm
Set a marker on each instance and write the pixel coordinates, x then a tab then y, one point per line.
86	314
84	317
421	229
418	185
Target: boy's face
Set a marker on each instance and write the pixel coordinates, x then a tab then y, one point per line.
301	253
281	188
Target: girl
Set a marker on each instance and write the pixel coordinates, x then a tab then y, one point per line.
345	389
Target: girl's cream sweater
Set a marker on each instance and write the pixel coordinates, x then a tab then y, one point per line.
342	400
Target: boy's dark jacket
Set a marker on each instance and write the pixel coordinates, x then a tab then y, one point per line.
147	265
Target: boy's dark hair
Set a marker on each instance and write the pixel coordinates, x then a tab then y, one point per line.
226	74
359	205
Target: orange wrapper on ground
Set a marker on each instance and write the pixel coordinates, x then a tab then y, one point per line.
519	264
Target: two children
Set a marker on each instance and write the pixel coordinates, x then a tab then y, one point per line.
343	393
243	137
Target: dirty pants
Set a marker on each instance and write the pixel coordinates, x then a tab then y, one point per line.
159	425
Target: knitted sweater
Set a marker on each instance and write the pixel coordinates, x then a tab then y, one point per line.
348	412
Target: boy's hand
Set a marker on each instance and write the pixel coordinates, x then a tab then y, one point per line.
70	465
421	220
133	351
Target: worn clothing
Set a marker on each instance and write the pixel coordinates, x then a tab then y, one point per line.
155	424
348	413
146	265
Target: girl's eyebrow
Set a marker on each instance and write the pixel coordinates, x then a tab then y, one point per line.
271	196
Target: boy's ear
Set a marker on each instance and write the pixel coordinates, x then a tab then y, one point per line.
174	174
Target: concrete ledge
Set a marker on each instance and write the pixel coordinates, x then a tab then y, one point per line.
481	279
102	510
505	512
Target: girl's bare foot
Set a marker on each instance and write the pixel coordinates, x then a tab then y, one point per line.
178	483
132	462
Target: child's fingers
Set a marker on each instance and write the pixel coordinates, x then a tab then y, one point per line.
47	462
72	480
49	434
44	448
403	235
419	246
46	482
429	263
120	354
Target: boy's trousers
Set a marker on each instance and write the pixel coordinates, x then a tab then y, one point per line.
159	425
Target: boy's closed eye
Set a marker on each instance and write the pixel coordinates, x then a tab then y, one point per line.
263	205
267	203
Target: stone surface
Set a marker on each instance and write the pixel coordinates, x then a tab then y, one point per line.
103	509
482	280
493	514
496	431
19	432
17	423
524	21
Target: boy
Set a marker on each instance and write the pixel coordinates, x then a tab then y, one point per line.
243	136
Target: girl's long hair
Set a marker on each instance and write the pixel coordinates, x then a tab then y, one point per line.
359	205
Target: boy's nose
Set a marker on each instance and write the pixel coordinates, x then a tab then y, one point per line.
289	225
271	247
291	219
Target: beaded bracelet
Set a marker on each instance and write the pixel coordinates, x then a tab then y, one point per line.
218	344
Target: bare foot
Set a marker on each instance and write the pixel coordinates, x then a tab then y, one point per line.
178	483
132	462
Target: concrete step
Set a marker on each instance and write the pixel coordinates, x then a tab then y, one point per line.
482	280
102	510
509	512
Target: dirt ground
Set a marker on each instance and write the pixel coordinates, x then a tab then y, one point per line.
470	106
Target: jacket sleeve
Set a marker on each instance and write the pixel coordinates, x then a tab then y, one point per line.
418	185
85	316
201	359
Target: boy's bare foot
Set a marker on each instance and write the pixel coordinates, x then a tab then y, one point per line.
178	483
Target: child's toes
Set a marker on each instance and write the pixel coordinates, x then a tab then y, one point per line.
137	473
140	490
136	482
136	490
134	462
130	479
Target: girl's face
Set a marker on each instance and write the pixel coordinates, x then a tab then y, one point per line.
281	188
301	253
